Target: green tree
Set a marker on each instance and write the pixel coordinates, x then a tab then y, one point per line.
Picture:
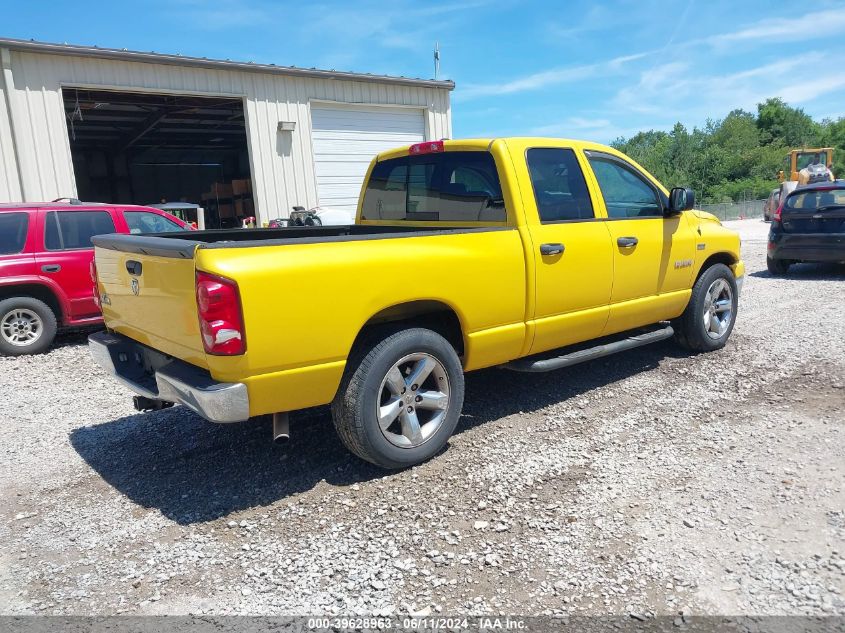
782	124
833	135
735	157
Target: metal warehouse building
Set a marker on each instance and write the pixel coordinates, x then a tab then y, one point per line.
121	126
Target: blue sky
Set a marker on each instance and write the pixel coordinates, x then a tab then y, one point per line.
594	70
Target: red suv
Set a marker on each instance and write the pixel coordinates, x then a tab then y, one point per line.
45	265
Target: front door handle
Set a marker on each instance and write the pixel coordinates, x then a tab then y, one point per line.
552	249
50	268
627	242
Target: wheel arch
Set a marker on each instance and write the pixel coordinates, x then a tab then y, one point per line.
431	314
39	291
722	257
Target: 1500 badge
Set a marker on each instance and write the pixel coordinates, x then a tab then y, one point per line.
683	263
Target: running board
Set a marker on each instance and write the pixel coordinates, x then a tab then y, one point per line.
591	353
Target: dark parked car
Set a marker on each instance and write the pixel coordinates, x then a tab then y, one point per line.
808	226
772	203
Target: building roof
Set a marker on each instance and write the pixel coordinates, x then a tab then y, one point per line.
204	62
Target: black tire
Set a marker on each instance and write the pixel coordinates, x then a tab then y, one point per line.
355	406
690	329
45	319
777	266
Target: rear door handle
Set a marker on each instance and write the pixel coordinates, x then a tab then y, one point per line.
627	242
552	249
50	268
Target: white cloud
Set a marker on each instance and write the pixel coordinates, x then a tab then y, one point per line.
225	14
804	91
809	26
675	91
594	129
597	18
543	79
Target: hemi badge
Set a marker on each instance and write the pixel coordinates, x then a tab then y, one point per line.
700	247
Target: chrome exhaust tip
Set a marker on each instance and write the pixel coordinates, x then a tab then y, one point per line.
281	430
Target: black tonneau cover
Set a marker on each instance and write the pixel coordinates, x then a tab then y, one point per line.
182	244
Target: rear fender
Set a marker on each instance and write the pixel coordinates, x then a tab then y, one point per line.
46	290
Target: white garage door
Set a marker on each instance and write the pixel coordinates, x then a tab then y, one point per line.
345	139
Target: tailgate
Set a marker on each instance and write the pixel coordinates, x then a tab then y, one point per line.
824	220
148	293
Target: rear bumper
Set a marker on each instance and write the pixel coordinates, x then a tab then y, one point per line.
807	247
154	375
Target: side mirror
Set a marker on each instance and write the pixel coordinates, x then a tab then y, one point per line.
681	199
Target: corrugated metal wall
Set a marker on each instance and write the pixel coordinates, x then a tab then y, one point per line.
9	176
281	162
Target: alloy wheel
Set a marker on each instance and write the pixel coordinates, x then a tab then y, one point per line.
21	327
413	400
718	308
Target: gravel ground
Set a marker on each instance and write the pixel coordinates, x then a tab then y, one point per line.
653	482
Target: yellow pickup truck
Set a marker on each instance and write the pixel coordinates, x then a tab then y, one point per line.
528	254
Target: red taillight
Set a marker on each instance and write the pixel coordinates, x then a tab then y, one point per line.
429	147
777	214
220	316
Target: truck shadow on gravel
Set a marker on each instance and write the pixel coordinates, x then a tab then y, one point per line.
195	471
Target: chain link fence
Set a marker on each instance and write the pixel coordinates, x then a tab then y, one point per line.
735	210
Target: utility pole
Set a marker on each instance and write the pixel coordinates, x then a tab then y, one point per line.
436	60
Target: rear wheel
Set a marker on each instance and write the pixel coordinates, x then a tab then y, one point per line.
777	266
27	326
400	399
709	318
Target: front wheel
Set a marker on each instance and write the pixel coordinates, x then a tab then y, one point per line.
400	399
709	318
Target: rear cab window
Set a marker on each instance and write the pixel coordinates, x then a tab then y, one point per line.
72	230
449	187
13	231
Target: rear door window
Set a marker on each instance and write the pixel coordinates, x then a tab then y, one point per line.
13	227
68	230
441	187
147	222
559	186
